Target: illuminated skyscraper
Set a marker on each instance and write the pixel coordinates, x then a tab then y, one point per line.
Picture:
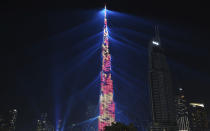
12	119
107	105
198	117
182	112
161	96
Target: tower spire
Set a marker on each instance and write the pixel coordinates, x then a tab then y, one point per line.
105	11
157	36
156	39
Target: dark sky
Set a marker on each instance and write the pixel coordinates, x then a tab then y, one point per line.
32	64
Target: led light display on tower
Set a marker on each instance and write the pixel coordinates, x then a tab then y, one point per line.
107	106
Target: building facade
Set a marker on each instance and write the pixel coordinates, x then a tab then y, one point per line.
12	119
182	111
198	117
161	94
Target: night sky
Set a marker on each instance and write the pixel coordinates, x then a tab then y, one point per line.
50	55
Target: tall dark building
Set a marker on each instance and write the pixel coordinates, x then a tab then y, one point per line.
12	119
182	111
161	94
198	117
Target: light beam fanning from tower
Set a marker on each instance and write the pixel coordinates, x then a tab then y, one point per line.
107	106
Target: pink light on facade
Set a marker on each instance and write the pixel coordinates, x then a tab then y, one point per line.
107	105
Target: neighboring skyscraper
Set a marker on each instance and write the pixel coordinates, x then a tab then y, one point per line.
43	124
12	119
198	117
162	99
182	112
107	105
3	124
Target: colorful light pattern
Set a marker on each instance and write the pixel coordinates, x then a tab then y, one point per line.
107	106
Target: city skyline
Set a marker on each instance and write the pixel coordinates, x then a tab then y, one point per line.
35	57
